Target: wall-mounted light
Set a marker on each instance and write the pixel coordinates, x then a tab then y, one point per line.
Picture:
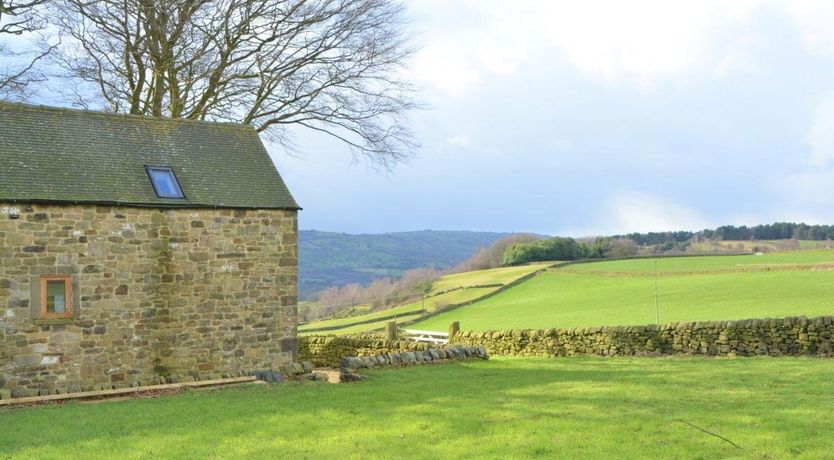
14	213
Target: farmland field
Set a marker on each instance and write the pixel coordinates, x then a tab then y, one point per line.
362	323
578	407
365	327
770	261
689	289
448	290
486	277
757	245
348	320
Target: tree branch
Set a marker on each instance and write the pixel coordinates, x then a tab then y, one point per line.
333	66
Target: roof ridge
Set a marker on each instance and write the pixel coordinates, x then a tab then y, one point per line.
50	108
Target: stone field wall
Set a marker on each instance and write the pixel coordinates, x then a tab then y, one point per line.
329	351
162	295
408	358
793	336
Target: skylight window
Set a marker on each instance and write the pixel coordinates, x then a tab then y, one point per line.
164	182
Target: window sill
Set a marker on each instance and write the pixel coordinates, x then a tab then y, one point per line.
54	321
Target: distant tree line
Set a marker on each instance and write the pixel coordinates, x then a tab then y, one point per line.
653	238
492	256
556	248
775	231
650	243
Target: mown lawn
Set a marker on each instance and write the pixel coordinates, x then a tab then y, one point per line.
505	408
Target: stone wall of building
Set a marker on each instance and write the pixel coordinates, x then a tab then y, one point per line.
164	295
793	336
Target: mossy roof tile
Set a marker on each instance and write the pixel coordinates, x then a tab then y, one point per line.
64	155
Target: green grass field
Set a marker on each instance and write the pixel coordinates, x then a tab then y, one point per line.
375	326
502	408
666	265
399	310
403	313
492	276
760	245
622	293
448	290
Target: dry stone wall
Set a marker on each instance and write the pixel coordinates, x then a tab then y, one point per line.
408	358
329	351
793	336
164	295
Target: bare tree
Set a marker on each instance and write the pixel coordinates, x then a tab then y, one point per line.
334	66
336	298
18	73
621	247
379	294
416	280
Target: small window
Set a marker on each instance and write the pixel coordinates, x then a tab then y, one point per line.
164	182
56	296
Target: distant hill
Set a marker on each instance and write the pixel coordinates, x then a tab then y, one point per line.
332	259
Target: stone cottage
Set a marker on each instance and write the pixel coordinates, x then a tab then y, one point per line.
138	250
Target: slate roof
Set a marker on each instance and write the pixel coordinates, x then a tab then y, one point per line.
65	155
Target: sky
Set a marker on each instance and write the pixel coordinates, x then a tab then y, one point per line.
595	117
585	118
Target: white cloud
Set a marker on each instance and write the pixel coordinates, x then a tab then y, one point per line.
638	39
539	96
742	57
445	70
808	188
814	18
807	191
502	59
643	41
460	140
821	134
641	212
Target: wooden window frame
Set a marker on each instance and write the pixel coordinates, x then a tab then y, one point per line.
67	279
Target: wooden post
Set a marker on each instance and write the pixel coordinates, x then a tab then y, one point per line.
391	330
656	305
454	328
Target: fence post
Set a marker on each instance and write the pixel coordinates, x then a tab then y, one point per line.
391	330
454	328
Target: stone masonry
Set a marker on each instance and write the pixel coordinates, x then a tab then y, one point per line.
329	350
792	336
163	295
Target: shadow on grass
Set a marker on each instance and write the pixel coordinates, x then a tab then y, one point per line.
515	407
